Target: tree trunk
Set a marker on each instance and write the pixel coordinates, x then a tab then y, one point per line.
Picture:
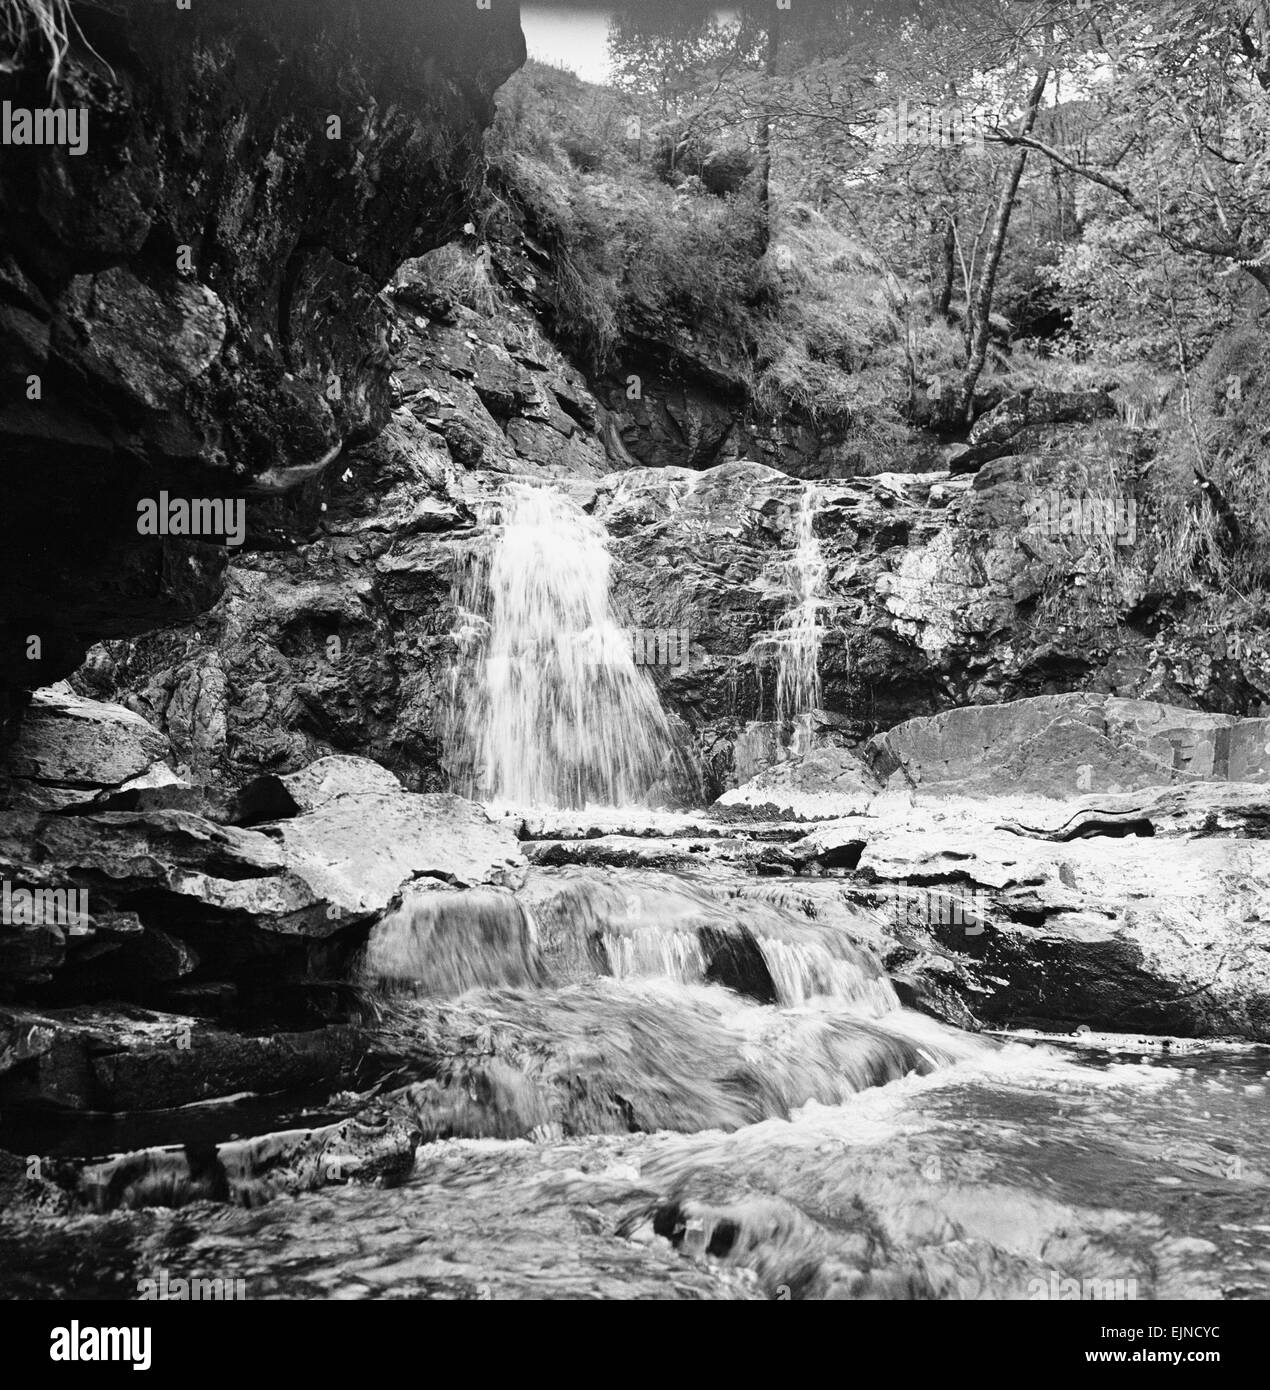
980	309
765	137
947	268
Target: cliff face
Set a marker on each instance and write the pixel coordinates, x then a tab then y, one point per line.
191	304
938	588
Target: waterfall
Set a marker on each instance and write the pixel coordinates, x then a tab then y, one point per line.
799	633
547	705
793	647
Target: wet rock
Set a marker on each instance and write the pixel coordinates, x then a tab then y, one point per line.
212	803
148	342
24	1191
208	308
376	1146
117	1059
1062	745
1240	809
358	851
1154	916
69	749
825	784
224	891
632	852
328	779
499	394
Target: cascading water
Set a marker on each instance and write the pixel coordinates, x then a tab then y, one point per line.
800	634
632	923
547	705
606	1001
794	646
439	943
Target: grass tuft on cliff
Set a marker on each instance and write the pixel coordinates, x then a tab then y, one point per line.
28	23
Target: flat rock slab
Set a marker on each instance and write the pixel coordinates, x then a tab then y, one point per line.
1166	932
69	749
828	782
340	864
358	851
1066	745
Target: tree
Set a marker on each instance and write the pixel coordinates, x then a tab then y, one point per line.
979	319
664	51
1185	95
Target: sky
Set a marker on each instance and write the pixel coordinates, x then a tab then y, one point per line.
573	36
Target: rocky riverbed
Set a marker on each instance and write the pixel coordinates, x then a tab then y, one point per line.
295	986
576	827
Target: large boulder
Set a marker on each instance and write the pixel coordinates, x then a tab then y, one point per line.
1134	911
329	779
1031	409
70	749
825	783
1063	745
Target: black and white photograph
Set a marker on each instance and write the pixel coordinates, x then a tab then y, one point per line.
634	666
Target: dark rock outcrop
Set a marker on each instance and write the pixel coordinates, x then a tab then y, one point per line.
130	1059
193	305
377	1145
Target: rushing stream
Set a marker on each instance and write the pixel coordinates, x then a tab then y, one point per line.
634	1085
645	1083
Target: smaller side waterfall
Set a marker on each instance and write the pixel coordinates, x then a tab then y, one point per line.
794	646
800	634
